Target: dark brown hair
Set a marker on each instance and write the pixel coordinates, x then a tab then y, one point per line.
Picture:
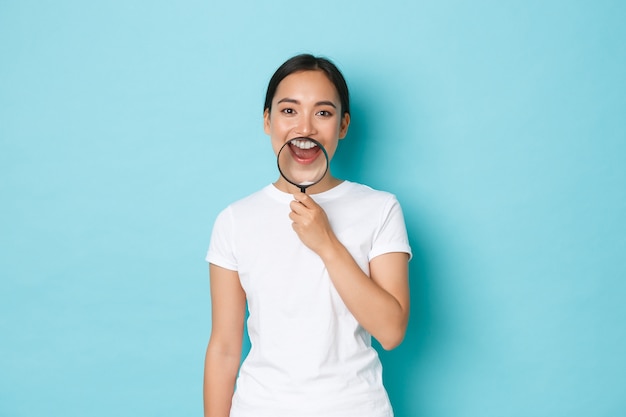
308	62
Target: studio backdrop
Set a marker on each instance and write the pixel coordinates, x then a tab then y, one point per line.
126	126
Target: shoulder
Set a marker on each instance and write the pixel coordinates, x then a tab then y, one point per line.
263	206
359	201
256	200
240	211
364	192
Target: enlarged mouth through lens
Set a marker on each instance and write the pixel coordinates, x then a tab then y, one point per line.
300	163
304	150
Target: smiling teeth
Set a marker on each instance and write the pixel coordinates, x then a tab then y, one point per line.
303	143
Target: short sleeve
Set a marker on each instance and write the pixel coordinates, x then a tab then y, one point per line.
221	247
391	234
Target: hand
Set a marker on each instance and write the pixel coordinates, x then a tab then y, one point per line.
310	223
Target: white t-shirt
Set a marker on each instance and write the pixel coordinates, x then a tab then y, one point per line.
309	356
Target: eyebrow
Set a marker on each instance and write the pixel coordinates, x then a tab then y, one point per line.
319	103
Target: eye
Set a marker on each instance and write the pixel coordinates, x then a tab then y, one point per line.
288	110
324	113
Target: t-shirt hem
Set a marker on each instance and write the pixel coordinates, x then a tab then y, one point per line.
220	262
390	249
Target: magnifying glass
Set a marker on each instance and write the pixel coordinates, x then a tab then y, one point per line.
302	162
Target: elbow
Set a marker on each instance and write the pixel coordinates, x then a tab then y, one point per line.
391	344
393	334
391	331
392	339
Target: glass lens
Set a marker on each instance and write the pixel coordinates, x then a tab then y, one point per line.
303	162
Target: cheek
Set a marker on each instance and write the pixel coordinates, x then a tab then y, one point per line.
277	143
270	130
278	127
276	146
331	148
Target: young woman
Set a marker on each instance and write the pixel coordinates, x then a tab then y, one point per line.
320	272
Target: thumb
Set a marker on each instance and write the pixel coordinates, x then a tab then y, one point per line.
304	199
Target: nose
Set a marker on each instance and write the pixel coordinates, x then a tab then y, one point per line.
306	126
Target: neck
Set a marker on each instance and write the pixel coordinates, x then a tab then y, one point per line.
325	184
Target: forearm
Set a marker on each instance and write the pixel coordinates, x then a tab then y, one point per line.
384	316
380	301
220	372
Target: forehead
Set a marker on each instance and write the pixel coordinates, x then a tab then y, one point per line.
313	84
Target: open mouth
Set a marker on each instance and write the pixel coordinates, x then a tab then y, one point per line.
304	150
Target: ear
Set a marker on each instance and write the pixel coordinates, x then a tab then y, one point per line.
266	121
343	126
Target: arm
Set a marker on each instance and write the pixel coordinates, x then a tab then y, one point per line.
223	355
380	303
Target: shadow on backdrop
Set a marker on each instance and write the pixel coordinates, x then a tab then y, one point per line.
358	159
401	366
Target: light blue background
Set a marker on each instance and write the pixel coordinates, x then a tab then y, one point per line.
126	126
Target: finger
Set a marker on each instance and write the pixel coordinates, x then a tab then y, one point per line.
293	216
304	199
298	196
296	206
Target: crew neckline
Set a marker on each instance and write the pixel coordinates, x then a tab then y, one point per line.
324	195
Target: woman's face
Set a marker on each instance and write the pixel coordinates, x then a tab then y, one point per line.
306	105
